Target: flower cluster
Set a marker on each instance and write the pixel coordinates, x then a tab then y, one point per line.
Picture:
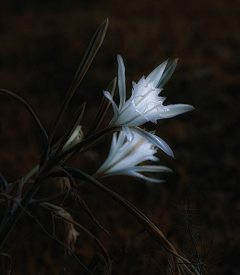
132	153
143	106
124	156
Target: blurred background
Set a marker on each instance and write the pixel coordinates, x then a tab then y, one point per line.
41	46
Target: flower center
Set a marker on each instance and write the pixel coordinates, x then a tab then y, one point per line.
147	99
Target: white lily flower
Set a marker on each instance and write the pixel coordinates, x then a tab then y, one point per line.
124	156
145	104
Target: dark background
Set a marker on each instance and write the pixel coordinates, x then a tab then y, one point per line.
41	45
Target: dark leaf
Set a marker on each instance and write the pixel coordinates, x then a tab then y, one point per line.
93	47
3	182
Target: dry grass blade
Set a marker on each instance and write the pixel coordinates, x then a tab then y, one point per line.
59	211
44	174
177	262
93	47
24	103
55	239
87	210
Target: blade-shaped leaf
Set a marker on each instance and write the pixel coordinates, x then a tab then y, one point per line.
58	211
154	231
93	47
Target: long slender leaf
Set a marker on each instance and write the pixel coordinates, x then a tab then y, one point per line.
56	239
154	231
93	47
57	210
24	103
43	175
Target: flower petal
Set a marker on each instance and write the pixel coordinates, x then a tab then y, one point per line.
128	133
151	168
140	168
114	150
115	108
167	74
121	81
138	175
156	74
175	109
155	140
113	145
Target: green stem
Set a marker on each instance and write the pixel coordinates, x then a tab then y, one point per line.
88	142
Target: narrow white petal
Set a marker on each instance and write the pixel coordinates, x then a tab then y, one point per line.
155	140
127	114
167	73
138	175
128	132
138	120
115	108
121	81
141	168
133	174
151	168
115	148
156	74
174	110
113	144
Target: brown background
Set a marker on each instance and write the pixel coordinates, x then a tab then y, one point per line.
41	45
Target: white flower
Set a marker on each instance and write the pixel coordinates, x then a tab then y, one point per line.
124	156
145	104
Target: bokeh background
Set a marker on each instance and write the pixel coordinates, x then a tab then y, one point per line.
41	45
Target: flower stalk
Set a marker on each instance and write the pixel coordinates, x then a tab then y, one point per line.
132	153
